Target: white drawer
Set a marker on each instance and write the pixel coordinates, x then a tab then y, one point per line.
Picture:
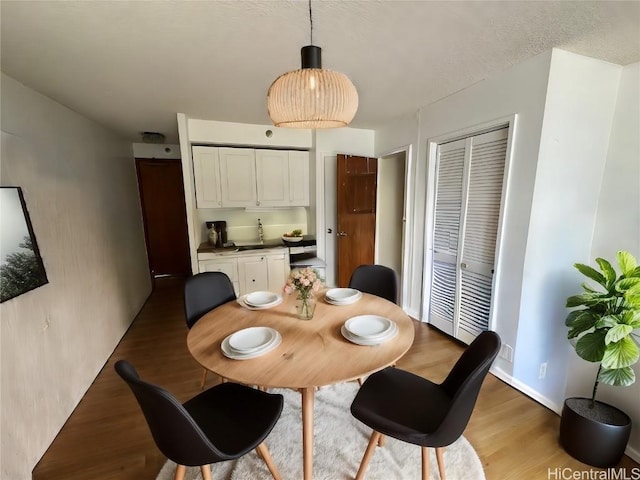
228	267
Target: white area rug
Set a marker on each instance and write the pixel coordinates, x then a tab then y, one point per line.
340	442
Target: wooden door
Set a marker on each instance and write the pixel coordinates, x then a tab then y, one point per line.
356	213
164	215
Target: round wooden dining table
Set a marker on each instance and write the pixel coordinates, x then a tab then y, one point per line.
313	353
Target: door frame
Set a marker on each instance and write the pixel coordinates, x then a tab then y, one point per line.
322	216
408	224
509	122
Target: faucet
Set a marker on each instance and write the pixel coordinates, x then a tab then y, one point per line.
260	232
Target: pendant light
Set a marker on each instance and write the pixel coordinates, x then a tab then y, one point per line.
312	97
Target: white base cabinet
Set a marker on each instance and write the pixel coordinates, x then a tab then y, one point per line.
250	271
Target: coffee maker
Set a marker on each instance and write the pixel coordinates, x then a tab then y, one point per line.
217	233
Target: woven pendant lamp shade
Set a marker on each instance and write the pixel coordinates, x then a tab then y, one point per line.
312	97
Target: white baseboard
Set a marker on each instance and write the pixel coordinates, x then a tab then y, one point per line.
528	391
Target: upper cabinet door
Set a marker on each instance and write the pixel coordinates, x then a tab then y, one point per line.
272	177
206	172
238	177
299	179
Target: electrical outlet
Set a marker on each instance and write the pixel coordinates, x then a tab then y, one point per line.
506	352
543	371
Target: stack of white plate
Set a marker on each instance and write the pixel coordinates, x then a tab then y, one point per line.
342	296
260	300
369	329
250	342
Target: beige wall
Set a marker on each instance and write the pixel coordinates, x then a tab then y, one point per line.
80	187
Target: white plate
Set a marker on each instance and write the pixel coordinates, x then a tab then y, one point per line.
261	299
368	327
251	339
342	294
346	301
370	343
241	301
228	352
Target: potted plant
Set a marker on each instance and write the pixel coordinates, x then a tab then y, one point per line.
601	328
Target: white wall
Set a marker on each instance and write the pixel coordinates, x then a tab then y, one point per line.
617	227
80	187
156	150
579	107
390	210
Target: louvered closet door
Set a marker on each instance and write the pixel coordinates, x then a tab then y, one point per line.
481	217
448	209
469	178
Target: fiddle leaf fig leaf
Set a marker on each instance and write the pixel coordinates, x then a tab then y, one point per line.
608	271
627	263
617	333
608	321
620	354
618	377
592	273
582	321
582	299
591	347
627	284
632	318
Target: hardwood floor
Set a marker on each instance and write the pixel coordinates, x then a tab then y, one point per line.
106	438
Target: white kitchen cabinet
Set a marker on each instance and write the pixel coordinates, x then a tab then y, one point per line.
251	270
262	272
277	271
298	178
272	177
238	177
253	274
228	266
245	177
206	172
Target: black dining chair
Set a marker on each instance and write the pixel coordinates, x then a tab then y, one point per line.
377	280
202	293
415	410
222	423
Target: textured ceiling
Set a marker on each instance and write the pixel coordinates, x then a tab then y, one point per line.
131	65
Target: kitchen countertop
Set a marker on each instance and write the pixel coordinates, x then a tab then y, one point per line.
205	247
307	240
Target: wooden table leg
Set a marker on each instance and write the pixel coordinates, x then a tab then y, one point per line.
307	432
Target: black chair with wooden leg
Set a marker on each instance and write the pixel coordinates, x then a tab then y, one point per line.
415	410
222	423
202	293
377	280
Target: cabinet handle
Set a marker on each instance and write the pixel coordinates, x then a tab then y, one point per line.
342	234
463	265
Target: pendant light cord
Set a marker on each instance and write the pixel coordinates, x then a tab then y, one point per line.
311	24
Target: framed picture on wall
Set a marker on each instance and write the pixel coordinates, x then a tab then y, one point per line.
21	267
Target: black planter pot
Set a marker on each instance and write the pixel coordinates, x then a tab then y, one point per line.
596	436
